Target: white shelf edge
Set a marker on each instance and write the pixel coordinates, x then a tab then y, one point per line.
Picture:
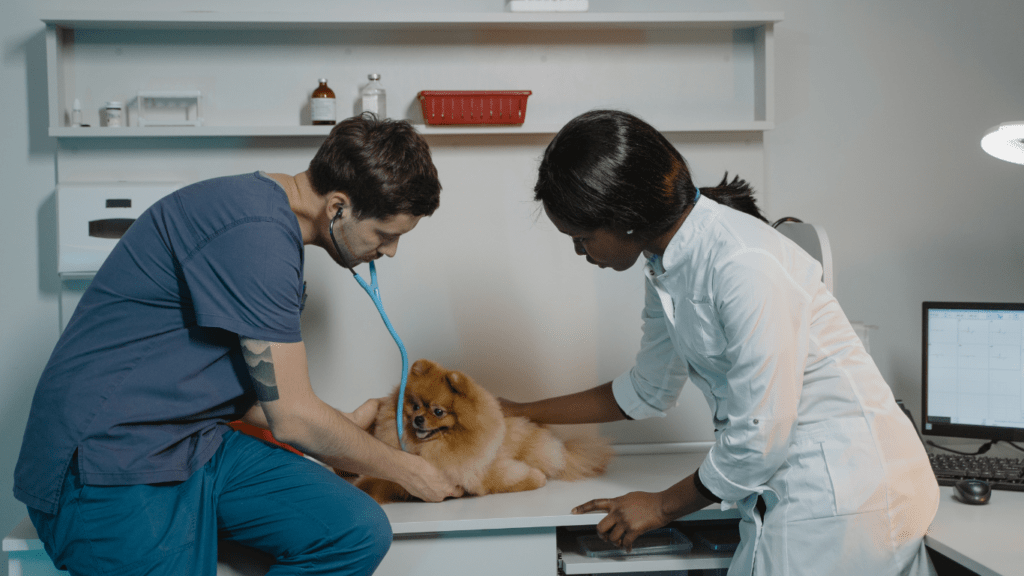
322	131
699	559
347	19
712	512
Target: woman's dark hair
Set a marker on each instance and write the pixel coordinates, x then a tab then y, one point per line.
609	169
383	165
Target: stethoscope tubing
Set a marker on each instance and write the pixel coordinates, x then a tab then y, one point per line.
373	290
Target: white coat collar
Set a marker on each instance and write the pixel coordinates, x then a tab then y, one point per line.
683	243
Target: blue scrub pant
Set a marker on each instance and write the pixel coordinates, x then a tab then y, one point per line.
251	492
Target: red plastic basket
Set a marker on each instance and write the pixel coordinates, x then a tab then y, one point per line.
474	106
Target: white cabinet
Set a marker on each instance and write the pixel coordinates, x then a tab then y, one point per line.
499	534
683	72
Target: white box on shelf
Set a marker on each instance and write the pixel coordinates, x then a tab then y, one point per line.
548	5
169	108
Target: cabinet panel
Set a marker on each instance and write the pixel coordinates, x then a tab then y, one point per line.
492	552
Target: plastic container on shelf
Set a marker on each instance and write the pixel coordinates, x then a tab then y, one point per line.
113	112
446	107
661	541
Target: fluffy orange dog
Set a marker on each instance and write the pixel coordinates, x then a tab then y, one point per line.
458	426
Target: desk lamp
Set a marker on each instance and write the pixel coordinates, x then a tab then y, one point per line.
1005	142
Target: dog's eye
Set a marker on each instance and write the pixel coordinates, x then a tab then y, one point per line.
438	412
415	406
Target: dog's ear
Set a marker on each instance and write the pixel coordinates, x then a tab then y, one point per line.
458	383
421	367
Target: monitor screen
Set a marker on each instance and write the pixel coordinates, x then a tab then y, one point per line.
973	370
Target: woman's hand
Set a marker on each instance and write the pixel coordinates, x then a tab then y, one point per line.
628	517
587	407
631	515
510	408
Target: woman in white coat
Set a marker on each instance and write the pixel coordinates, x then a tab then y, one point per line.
828	474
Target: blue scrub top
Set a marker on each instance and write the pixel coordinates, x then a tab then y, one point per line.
149	370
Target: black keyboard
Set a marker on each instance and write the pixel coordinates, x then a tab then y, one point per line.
1000	473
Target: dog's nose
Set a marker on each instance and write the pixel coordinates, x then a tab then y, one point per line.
418	421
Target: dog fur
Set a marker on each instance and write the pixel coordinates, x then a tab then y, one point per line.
458	426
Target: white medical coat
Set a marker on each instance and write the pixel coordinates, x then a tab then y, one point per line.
802	415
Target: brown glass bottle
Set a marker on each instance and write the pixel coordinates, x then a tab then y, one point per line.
321	105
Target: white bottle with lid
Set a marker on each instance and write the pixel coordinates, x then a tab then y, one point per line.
374	97
112	112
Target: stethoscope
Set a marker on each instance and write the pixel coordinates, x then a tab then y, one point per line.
373	290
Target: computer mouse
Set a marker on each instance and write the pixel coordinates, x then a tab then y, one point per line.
973	491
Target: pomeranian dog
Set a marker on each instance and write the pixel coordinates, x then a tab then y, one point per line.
458	426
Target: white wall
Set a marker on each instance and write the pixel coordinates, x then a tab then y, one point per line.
879	109
28	285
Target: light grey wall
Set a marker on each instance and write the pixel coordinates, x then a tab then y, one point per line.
28	285
879	109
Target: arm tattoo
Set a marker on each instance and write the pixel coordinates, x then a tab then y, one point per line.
261	368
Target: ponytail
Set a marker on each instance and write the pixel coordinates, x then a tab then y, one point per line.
737	195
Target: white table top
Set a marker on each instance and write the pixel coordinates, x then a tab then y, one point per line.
988	539
551	505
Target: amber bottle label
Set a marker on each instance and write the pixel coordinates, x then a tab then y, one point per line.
322	110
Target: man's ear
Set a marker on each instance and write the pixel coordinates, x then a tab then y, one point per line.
337	201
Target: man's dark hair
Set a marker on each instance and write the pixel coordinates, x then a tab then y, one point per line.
383	165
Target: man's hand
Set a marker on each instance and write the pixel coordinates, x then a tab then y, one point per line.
628	517
366	414
296	416
427	483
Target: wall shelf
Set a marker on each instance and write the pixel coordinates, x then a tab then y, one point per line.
216	20
683	72
322	131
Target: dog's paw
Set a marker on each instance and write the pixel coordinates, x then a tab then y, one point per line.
383	491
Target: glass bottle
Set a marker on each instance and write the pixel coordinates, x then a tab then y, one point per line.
76	113
322	108
374	97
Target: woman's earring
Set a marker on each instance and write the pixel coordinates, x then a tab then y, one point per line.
629	231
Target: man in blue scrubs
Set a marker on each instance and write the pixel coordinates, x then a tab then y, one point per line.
128	465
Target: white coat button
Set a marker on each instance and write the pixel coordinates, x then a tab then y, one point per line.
755	420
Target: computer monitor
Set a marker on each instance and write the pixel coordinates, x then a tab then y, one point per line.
973	370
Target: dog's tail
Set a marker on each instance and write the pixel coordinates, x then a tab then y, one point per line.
585	457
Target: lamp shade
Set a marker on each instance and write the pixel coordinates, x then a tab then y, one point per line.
1005	142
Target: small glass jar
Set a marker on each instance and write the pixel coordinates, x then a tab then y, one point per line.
113	114
374	97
